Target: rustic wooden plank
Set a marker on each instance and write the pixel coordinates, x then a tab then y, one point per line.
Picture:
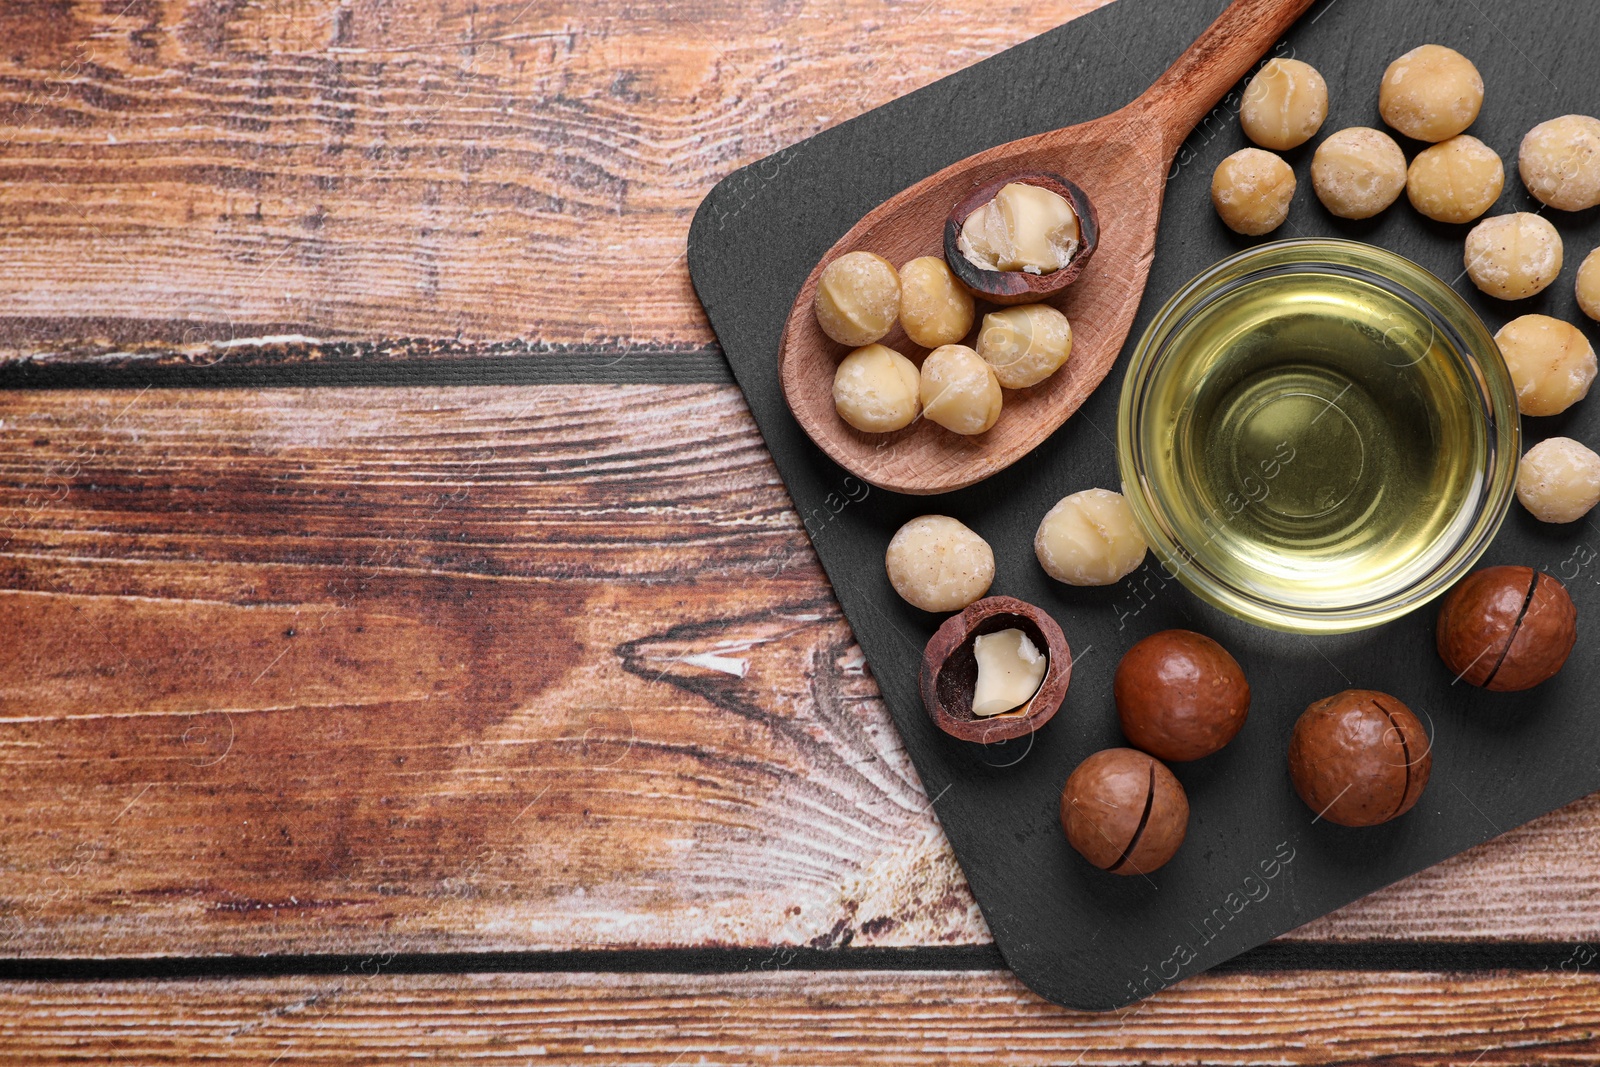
819	1019
481	669
174	174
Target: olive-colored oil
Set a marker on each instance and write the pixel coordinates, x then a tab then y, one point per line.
1327	442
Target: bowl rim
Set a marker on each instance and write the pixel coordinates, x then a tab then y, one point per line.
1485	365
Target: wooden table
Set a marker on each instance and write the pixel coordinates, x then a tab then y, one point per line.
407	649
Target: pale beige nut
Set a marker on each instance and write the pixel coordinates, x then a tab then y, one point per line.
858	299
937	563
935	308
959	390
1513	257
1455	180
1431	93
1025	227
1560	162
1252	190
1284	105
1090	538
1025	344
1552	363
877	390
1358	172
1558	480
1589	285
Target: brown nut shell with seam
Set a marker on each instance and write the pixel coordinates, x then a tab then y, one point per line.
1507	629
1359	758
1124	812
1180	695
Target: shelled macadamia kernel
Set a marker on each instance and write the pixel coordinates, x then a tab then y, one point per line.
1513	257
1560	162
1589	285
959	390
1284	105
937	563
935	308
1252	190
1024	228
1558	480
1090	538
1455	180
1025	344
1552	363
877	390
858	299
1431	93
1358	172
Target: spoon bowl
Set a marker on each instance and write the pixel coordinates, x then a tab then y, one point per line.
1119	163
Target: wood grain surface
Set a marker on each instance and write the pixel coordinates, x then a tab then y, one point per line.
848	1019
199	172
492	669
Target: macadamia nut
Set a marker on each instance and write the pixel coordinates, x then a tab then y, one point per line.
959	390
1251	191
1559	480
1284	104
1025	344
1560	162
1551	363
1589	285
1358	172
1090	538
937	564
1513	257
935	308
1024	228
1455	180
1431	93
876	390
858	299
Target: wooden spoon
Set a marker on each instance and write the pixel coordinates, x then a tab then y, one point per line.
1121	162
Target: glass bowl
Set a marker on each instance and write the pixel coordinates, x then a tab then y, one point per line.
1318	436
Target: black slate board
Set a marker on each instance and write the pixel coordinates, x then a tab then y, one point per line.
1254	865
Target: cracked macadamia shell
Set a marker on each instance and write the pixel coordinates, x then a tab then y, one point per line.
1358	172
1106	799
1506	629
1284	105
1252	191
858	299
1560	162
1513	257
1552	363
1180	696
1359	758
1431	93
1558	480
1090	538
1456	180
937	564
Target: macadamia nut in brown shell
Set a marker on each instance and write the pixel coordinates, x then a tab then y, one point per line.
1507	629
1180	695
1359	758
1124	812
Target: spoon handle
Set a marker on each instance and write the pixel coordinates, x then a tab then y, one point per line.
1211	66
